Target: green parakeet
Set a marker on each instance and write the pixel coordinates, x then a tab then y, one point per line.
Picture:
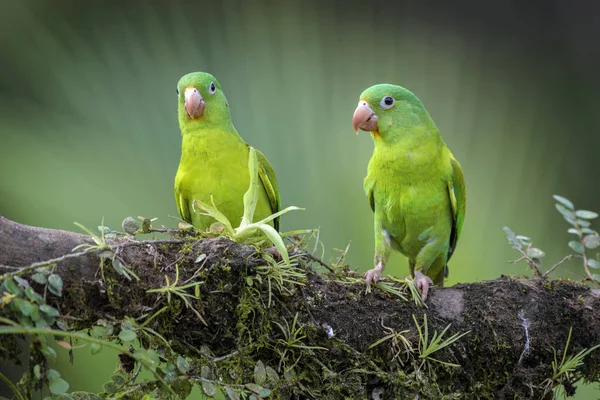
214	158
414	184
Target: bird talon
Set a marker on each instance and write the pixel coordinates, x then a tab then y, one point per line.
374	275
422	282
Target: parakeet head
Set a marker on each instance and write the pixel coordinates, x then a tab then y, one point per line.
388	111
201	102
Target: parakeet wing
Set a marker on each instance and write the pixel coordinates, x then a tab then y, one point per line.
183	206
269	181
458	200
368	186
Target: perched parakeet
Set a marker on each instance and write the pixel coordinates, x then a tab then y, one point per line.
414	184
214	158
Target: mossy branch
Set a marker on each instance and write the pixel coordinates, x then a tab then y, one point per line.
245	301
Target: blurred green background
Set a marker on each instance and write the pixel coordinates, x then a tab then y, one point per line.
89	131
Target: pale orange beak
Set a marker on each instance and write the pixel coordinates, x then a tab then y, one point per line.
194	103
364	118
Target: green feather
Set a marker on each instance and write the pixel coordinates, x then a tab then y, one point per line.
214	160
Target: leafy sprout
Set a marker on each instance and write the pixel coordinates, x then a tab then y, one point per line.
180	291
587	240
248	230
562	370
429	346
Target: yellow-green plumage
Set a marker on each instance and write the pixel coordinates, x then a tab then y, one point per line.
214	158
414	184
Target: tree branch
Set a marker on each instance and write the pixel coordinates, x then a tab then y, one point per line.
514	324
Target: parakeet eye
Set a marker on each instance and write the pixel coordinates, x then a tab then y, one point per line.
212	88
387	102
177	91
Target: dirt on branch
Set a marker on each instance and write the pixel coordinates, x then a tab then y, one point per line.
245	313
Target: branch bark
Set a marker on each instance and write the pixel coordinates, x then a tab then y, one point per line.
513	324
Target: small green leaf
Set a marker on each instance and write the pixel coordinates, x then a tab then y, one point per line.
252	397
52	374
591	241
277	240
39	278
23	283
588	231
512	238
62	326
260	373
35	313
130	225
146	224
200	258
95	348
55	284
289	375
37	371
49	352
583	223
48	310
272	376
127	335
596	277
183	365
205	372
12	286
524	239
43	270
58	386
253	387
54	291
110	387
509	232
251	195
120	268
25	306
127	324
574	231
249	281
564	201
231	393
98	331
118	379
576	246
55	281
571	221
208	388
566	213
593	263
33	296
170	377
264	393
586	214
535	253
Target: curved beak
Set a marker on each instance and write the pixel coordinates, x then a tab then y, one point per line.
194	103
364	118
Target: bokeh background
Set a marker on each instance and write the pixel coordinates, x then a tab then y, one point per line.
88	126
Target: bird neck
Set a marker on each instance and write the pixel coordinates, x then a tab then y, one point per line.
196	143
409	151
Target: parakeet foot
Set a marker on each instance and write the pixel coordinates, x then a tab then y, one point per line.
374	275
422	282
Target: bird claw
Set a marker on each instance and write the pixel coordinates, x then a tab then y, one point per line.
374	275
422	282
